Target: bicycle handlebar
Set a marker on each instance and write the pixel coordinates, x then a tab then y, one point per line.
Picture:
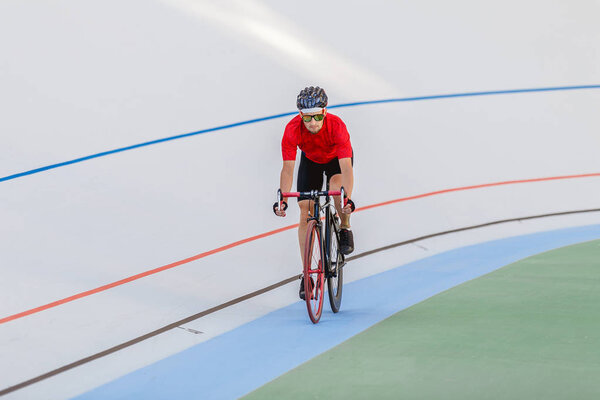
313	193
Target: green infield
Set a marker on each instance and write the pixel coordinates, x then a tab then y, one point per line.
530	330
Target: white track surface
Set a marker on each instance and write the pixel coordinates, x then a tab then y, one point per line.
78	78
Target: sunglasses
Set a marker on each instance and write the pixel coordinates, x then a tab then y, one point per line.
317	117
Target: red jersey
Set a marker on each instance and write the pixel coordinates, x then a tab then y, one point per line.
330	142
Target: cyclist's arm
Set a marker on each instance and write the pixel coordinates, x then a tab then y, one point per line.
347	175
287	177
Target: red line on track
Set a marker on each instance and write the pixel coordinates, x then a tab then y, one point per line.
554	178
266	234
142	275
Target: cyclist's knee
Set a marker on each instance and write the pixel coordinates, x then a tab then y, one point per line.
303	204
335	183
304	207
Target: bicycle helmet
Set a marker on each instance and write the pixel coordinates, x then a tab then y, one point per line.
311	99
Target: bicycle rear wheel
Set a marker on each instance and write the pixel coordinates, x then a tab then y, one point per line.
335	278
313	272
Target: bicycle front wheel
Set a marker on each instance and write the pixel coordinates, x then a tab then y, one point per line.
335	278
313	272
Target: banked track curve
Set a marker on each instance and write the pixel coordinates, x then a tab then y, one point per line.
248	296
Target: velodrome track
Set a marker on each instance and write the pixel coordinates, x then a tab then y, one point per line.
142	267
407	296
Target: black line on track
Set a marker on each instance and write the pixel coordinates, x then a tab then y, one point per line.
391	246
257	293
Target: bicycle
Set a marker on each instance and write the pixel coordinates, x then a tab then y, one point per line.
322	256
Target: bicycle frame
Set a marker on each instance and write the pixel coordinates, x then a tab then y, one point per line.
324	268
315	196
325	233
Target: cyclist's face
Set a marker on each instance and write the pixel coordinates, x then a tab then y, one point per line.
313	125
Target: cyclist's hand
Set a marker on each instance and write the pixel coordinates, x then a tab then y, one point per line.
348	207
277	211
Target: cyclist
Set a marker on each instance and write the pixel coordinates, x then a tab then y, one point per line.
325	144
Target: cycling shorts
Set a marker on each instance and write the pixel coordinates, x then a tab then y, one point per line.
310	174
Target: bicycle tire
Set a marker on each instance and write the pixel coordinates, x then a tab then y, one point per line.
335	278
313	268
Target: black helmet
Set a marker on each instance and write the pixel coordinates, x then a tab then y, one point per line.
311	97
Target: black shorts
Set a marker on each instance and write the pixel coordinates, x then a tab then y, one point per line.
310	174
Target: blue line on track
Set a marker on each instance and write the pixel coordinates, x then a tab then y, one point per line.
252	121
239	361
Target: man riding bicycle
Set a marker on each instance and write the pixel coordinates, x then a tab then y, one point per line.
325	144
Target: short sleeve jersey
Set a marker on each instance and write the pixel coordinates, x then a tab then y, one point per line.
330	142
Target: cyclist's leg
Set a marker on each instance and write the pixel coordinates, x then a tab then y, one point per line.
334	175
335	183
305	207
346	235
310	177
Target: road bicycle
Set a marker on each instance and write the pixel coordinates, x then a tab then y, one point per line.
323	259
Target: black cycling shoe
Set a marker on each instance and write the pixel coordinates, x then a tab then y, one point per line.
346	241
312	285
